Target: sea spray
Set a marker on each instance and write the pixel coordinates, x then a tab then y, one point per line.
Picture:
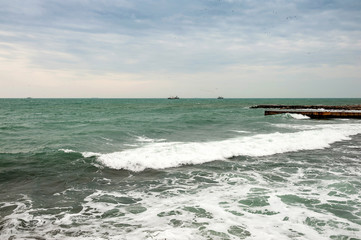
174	154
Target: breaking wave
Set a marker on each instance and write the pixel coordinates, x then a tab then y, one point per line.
161	155
298	116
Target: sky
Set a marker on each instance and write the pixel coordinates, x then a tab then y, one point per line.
189	48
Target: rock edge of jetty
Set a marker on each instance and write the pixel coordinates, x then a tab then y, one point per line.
329	107
315	111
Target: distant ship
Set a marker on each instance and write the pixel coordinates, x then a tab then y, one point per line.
176	97
220	97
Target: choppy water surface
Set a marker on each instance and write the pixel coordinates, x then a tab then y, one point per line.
176	169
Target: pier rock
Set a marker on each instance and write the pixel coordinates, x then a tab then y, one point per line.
318	114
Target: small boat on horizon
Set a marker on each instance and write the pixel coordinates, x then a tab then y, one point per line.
176	97
220	97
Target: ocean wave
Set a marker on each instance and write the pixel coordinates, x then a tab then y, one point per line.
85	154
67	150
161	155
147	139
240	131
297	116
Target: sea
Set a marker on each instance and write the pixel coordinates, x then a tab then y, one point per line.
177	169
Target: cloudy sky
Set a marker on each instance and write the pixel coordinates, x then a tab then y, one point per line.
190	48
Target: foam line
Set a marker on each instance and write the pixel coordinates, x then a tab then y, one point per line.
159	155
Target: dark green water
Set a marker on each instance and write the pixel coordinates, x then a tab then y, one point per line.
176	169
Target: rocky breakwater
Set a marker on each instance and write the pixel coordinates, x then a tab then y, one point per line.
326	107
315	111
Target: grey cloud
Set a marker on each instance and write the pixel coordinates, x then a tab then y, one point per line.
183	36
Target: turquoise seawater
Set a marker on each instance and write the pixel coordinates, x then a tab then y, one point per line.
176	169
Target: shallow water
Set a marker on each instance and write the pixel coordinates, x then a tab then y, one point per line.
176	169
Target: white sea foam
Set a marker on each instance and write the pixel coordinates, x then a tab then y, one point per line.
298	116
67	150
146	139
216	209
214	212
106	139
240	131
91	154
130	145
85	154
160	155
